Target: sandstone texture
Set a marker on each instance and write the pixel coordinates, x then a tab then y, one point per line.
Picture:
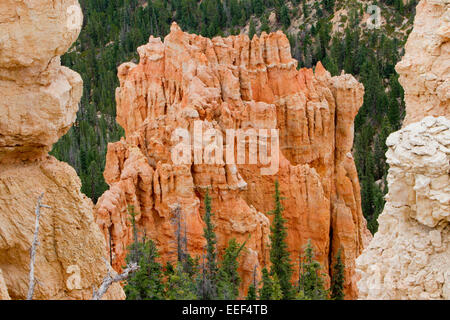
4	295
425	68
234	83
39	100
409	256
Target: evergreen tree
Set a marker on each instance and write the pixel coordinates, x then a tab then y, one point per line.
311	283
284	17
228	277
265	293
258	7
277	293
180	285
265	24
252	29
337	281
145	283
208	283
279	255
251	292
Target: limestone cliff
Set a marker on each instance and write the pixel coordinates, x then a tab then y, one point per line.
234	83
409	257
424	69
39	100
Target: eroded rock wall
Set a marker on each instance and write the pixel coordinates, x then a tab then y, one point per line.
409	256
39	101
234	83
424	69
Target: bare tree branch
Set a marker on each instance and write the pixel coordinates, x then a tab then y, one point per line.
112	277
34	245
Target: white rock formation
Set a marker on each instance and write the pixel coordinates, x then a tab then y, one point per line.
425	68
409	256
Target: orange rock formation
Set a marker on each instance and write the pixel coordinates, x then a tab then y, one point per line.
235	83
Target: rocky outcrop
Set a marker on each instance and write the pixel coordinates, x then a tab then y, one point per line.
424	69
409	256
188	83
39	100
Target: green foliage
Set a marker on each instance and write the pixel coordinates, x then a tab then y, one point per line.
265	24
311	284
145	283
279	255
284	17
208	280
338	279
180	285
265	293
252	29
251	292
228	277
277	293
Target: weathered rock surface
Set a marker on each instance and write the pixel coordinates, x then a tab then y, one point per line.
234	83
409	256
39	97
38	104
4	295
425	68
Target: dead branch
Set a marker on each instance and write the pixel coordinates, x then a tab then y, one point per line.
112	277
34	245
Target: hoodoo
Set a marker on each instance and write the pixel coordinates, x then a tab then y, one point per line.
234	83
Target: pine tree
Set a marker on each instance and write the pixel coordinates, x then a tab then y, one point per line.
277	293
180	285
265	293
208	283
338	279
265	24
135	249
284	17
210	237
279	255
311	284
329	5
251	292
258	7
394	113
228	279
252	29
146	283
